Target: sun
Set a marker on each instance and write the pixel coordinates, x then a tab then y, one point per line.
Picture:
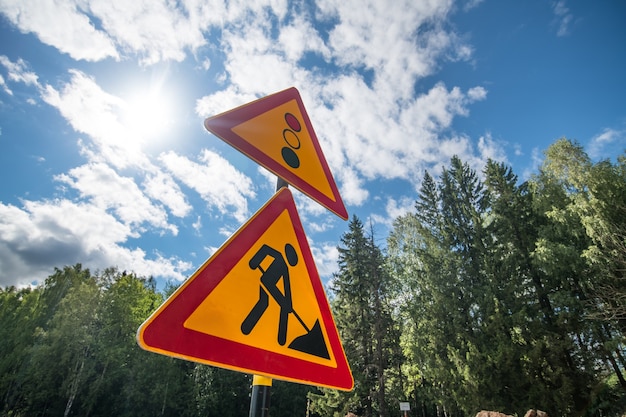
149	116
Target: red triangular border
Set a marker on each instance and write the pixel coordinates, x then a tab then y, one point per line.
221	125
163	332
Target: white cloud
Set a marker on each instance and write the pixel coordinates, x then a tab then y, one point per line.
107	190
368	138
222	101
299	37
45	234
153	30
326	256
367	116
254	64
215	179
270	180
4	86
607	144
62	25
210	250
222	12
162	187
315	217
227	232
537	160
477	93
393	209
352	188
400	41
367	130
563	17
91	110
488	148
197	225
18	71
470	4
399	207
607	136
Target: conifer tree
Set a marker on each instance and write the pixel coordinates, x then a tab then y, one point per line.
360	303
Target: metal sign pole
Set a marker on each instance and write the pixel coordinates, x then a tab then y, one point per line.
261	385
260	400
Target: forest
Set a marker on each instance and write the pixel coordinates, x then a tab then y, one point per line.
491	294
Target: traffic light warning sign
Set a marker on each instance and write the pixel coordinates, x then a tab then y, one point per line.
276	132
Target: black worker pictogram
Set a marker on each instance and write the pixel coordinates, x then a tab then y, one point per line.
312	341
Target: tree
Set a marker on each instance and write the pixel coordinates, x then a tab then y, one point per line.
437	253
19	315
534	333
220	392
494	284
584	244
61	361
596	196
25	319
129	380
363	316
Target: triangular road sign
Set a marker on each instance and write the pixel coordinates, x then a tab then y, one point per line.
276	132
257	305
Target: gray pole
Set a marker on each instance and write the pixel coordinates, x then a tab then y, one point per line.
261	385
260	400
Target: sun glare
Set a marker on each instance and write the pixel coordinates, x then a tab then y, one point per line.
149	116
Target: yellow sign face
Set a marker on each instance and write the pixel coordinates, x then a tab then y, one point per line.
267	301
281	134
257	305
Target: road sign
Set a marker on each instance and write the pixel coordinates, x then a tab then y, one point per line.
276	132
257	305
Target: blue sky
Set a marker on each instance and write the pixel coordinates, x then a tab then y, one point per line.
104	159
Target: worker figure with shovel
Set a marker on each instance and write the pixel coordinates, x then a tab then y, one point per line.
312	341
276	270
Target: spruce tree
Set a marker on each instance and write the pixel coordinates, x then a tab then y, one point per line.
360	302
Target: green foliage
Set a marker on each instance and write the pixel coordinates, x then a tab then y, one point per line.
594	196
69	348
492	294
19	314
363	314
501	287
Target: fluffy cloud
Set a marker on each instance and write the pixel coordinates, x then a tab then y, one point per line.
153	30
399	41
365	61
215	179
71	31
562	17
609	141
106	189
162	187
370	128
18	71
91	110
43	234
149	30
326	257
